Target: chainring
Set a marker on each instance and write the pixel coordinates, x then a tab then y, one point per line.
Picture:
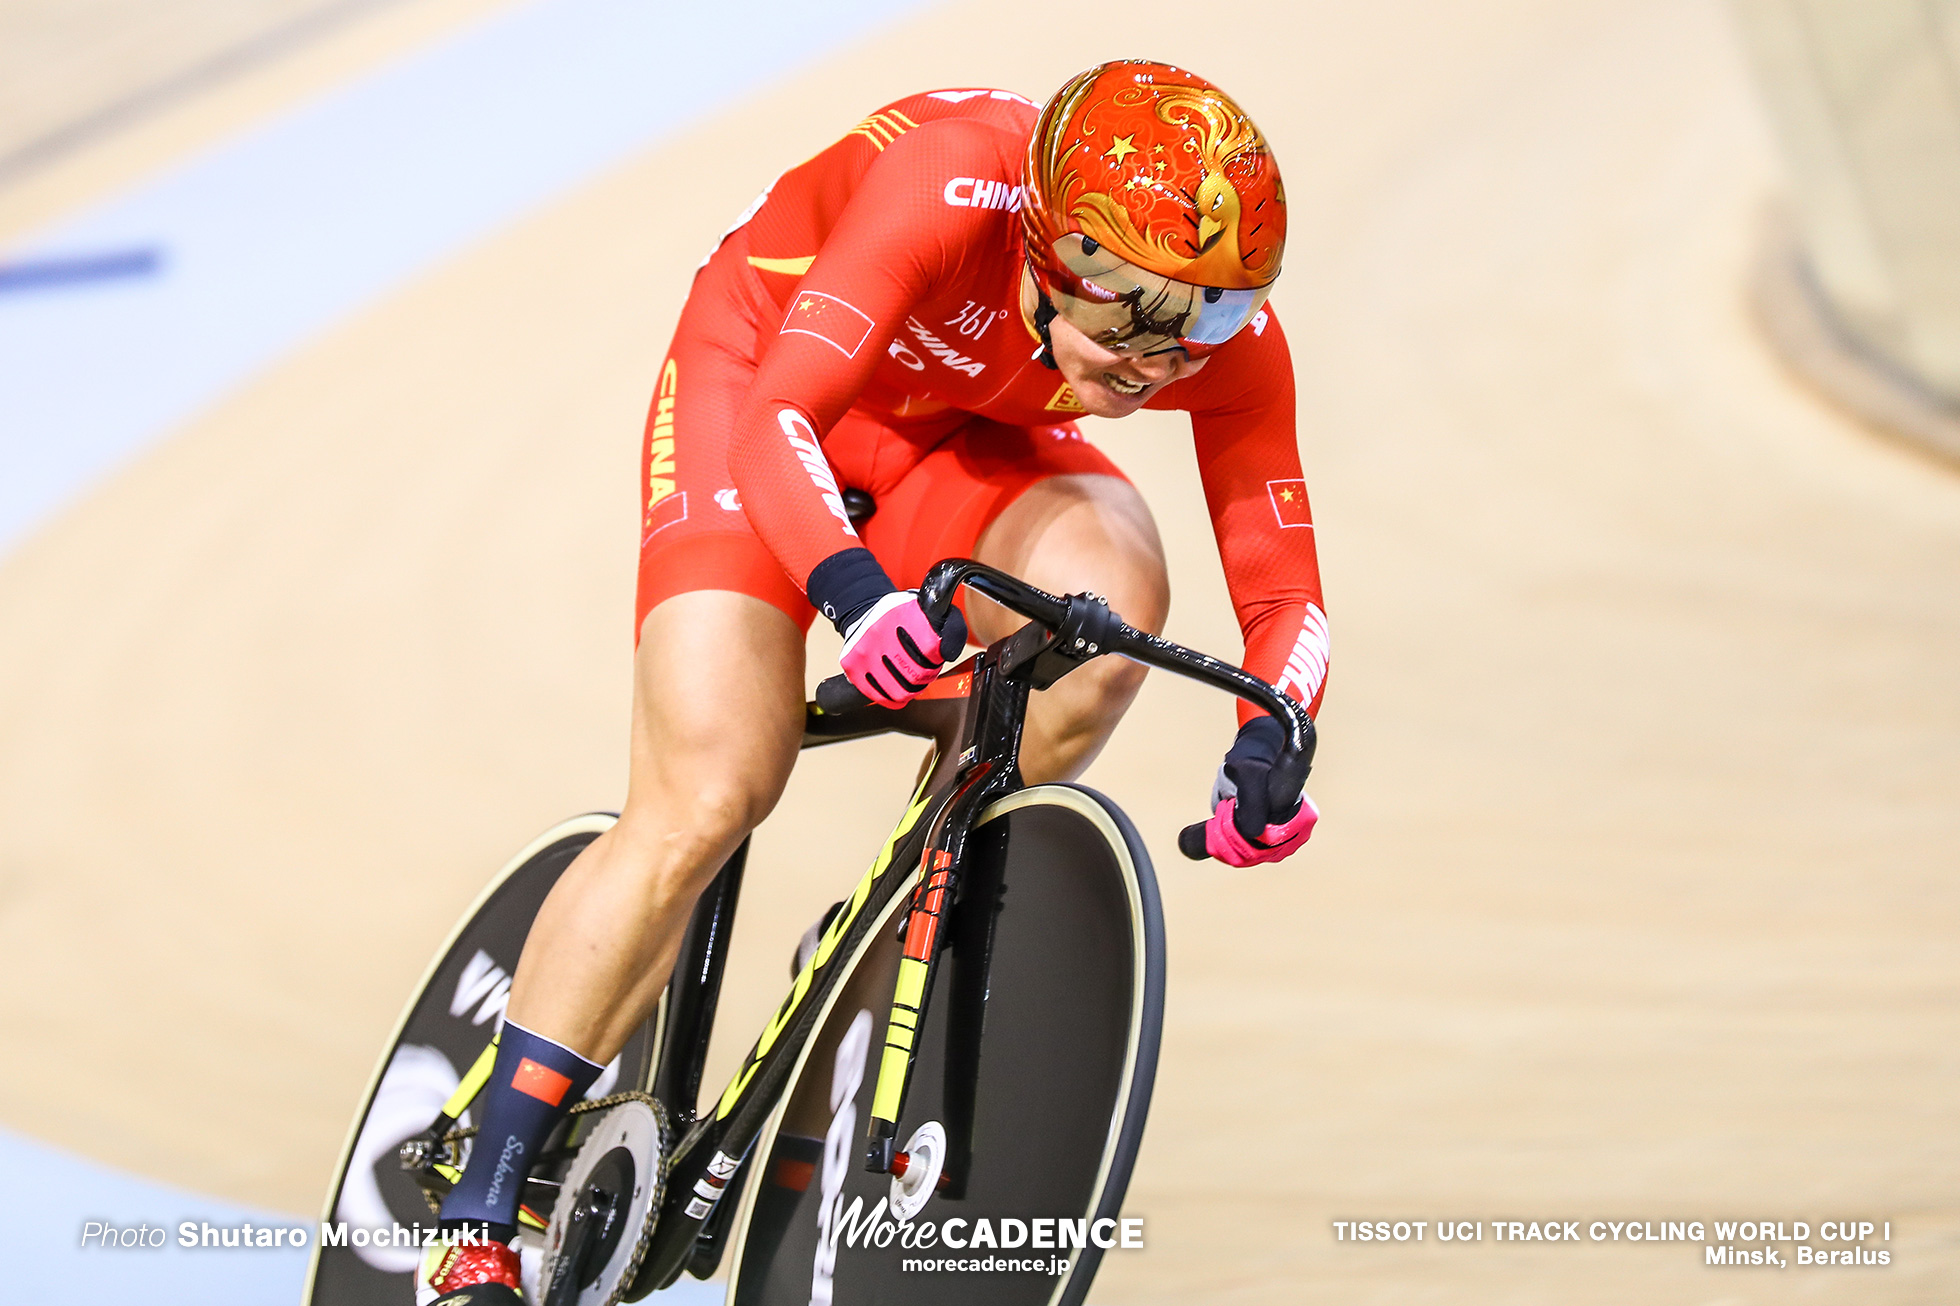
623	1147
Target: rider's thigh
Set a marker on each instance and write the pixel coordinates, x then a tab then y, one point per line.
1067	534
717	722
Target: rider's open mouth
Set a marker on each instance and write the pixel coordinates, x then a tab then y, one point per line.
1123	385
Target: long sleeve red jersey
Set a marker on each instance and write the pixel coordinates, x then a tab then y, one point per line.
889	270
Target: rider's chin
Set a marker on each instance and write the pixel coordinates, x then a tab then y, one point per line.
1115	402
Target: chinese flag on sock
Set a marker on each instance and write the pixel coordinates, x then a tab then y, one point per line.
541	1082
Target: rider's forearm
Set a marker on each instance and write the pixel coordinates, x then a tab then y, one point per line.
1249	462
835	329
788	488
1272	571
1286	644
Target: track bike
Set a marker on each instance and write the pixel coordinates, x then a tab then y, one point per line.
991	992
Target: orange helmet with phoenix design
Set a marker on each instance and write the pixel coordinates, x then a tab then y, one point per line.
1154	215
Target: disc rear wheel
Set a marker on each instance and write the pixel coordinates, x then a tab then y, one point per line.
441	1033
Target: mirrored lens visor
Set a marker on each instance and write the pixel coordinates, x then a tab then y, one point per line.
1125	308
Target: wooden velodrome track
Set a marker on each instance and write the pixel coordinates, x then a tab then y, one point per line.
1638	887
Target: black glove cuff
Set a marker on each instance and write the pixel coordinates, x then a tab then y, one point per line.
845	585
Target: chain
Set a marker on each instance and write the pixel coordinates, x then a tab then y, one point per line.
664	1140
611	1100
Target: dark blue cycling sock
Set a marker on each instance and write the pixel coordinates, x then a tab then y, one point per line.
535	1082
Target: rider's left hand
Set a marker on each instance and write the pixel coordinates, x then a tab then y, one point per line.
1242	831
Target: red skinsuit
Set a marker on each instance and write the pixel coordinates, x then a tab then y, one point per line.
907	323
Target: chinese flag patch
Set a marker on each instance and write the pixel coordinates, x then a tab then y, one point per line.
1290	503
838	323
952	684
541	1082
668	510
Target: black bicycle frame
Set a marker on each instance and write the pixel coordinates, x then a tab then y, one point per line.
978	763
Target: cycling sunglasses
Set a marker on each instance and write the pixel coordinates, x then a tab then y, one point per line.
1127	309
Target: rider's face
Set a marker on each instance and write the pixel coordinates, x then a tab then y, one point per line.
1115	383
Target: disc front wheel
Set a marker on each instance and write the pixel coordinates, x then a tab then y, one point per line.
1032	1081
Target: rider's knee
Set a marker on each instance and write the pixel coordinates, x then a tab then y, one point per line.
682	831
720	809
1101	691
1072	722
1114	683
1146	605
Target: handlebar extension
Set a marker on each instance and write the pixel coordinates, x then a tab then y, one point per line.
1288	777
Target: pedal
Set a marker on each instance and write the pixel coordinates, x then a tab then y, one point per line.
431	1163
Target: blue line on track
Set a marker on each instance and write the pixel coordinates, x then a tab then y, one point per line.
272	238
50	273
294	225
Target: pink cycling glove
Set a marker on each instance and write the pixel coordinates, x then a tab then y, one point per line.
1275	843
1241	831
892	652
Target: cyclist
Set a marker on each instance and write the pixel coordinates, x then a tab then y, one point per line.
915	316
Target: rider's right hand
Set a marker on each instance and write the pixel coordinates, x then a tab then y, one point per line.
1243	830
1225	840
892	652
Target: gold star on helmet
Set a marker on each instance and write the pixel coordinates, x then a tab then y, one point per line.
806	306
1121	147
1286	495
